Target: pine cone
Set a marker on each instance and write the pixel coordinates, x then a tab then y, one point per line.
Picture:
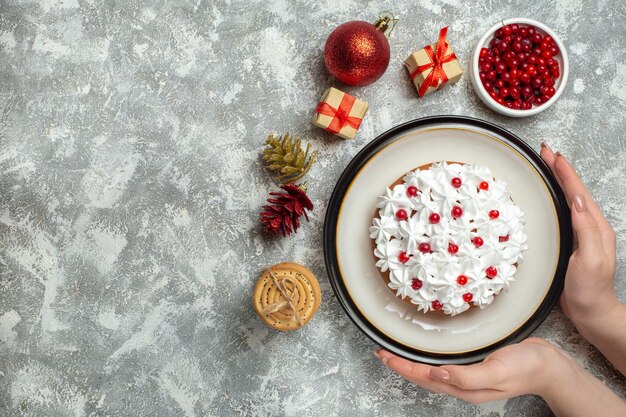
287	159
282	216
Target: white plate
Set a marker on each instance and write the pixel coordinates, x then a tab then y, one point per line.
439	338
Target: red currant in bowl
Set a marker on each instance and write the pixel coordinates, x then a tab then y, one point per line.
522	73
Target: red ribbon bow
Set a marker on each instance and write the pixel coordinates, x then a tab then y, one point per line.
436	63
340	116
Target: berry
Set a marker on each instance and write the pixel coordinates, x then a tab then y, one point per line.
484	185
494	214
456	182
401	214
452	248
517	59
503	238
416	283
467	297
524	78
461	280
491	272
411	191
456	212
478	241
424	247
434	218
436	305
403	257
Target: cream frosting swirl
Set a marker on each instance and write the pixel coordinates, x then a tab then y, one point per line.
469	251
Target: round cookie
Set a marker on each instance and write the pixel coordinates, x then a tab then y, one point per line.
286	296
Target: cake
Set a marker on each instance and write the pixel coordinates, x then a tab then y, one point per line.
448	236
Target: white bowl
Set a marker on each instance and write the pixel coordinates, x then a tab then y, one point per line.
559	84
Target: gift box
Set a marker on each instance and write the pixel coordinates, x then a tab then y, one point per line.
434	66
339	113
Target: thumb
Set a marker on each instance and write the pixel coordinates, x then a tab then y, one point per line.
482	375
585	227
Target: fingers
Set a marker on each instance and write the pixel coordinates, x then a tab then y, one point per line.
548	155
537	341
572	186
570	182
420	374
484	375
586	228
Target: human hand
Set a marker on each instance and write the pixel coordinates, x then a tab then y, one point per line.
532	366
589	291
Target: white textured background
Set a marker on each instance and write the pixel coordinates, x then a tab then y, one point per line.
130	187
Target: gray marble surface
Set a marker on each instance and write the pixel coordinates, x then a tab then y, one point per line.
130	188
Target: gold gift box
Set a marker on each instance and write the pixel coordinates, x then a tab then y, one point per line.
452	69
353	115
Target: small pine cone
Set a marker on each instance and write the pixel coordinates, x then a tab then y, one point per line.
285	209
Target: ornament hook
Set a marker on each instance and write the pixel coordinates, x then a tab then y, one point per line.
386	19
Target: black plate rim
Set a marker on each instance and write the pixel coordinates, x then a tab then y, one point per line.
332	268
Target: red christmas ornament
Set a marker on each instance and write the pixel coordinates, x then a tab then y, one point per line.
282	216
357	52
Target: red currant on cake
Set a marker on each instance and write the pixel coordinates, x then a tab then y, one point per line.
456	212
401	214
436	305
494	214
452	248
403	257
467	297
424	247
416	283
461	280
411	191
456	182
484	185
478	241
491	272
434	218
503	238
